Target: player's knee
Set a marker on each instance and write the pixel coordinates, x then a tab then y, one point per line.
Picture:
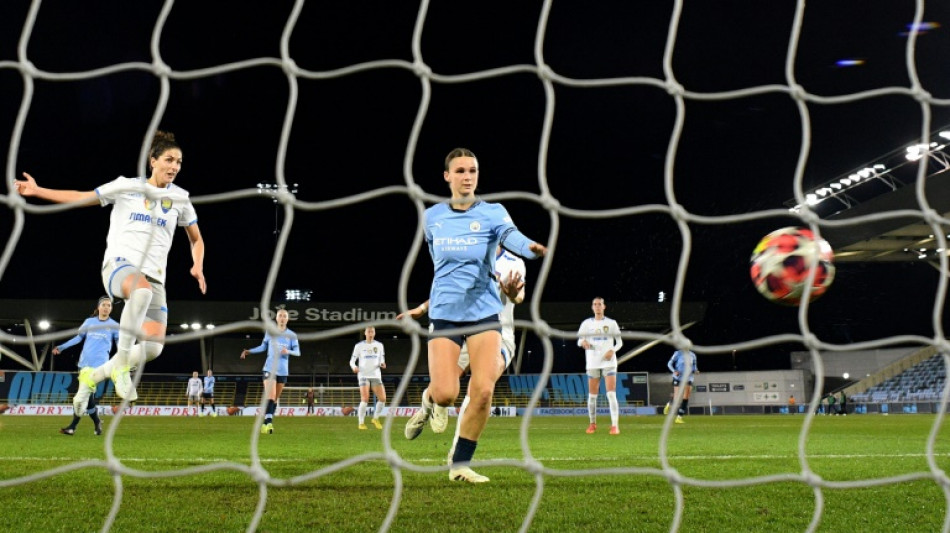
443	395
480	397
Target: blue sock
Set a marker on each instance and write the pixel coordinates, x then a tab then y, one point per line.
269	411
464	450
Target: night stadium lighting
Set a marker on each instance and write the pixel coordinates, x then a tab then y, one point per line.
297	295
842	188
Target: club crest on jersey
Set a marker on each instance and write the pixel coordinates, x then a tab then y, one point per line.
166	204
605	329
475	226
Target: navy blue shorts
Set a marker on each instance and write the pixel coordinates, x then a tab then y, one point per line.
278	379
491	323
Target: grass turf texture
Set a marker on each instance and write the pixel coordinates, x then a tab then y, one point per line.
311	488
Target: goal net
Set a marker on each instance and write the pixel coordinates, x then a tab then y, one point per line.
670	133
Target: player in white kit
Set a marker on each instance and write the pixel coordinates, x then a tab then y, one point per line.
145	213
599	336
368	358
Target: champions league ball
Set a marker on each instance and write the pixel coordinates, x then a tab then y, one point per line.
782	261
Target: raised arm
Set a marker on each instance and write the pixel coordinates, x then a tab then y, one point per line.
28	187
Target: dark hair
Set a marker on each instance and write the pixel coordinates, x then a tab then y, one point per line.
95	312
163	141
457	152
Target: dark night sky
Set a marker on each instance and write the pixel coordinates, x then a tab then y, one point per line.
607	148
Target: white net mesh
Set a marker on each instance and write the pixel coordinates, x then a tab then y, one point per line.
665	85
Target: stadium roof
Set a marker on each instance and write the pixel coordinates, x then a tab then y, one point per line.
904	238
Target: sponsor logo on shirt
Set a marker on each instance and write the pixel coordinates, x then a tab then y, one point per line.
455	241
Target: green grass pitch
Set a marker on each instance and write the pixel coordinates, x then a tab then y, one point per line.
736	473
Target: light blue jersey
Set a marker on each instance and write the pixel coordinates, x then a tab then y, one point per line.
274	347
677	364
209	384
99	336
462	245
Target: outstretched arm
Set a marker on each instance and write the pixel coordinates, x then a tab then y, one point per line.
28	187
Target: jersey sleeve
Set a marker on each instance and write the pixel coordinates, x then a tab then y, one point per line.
107	192
615	331
355	357
293	347
188	215
580	333
73	341
263	347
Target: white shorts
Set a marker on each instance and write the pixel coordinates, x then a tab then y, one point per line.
115	270
369	382
507	352
597	373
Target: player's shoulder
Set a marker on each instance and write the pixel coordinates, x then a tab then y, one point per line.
175	190
121	183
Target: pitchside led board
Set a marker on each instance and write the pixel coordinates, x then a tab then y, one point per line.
633	388
561	389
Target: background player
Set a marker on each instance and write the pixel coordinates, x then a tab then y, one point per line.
682	364
368	358
193	392
97	333
277	366
207	393
599	336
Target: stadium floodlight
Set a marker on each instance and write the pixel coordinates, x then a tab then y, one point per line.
298	295
887	170
43	324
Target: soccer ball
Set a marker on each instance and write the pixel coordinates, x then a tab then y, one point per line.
782	261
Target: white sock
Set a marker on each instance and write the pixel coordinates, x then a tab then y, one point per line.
614	407
458	426
136	355
379	410
592	407
361	412
130	324
103	372
426	402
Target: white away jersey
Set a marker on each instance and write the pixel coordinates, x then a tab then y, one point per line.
368	357
603	335
143	221
194	386
505	263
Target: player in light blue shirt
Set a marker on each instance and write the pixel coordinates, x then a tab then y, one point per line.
463	235
98	333
207	393
682	364
277	366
